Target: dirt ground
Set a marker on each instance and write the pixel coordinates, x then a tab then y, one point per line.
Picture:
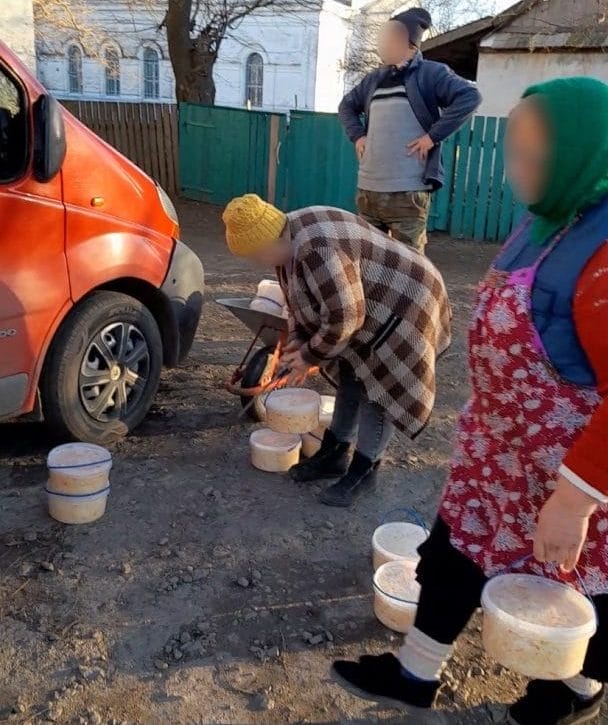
139	618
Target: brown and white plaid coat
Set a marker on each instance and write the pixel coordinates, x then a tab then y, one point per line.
355	294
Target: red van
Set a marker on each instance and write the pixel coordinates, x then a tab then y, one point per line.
97	293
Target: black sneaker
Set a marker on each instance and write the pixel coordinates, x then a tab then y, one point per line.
553	703
360	477
381	679
330	461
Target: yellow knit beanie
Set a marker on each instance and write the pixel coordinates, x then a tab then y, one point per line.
252	224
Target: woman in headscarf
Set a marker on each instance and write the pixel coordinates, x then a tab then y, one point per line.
529	473
356	297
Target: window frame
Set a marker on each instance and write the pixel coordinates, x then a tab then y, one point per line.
259	87
156	80
107	69
24	98
71	47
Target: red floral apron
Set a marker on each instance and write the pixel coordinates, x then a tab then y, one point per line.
513	435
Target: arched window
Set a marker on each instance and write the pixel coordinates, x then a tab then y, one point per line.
254	80
112	70
151	73
74	69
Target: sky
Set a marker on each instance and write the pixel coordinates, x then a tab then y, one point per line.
503	4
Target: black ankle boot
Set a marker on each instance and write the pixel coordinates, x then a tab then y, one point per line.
330	461
360	477
381	679
554	703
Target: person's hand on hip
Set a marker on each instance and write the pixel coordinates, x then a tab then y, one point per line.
421	147
360	145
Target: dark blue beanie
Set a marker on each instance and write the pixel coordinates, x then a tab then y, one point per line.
416	20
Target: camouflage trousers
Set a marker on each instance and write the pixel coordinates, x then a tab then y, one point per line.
403	214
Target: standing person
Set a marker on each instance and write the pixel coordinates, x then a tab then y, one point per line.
529	472
357	298
410	106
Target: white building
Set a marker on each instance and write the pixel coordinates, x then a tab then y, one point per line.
17	25
272	61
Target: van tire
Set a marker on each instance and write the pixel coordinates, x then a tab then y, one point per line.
81	348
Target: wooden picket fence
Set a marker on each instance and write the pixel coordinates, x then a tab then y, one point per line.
146	133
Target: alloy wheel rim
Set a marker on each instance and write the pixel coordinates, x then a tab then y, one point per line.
114	372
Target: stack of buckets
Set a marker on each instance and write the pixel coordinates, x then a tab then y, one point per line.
78	483
395	557
277	447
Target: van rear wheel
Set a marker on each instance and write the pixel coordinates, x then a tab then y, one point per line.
103	369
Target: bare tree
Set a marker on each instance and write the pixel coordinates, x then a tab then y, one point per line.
54	18
362	55
195	31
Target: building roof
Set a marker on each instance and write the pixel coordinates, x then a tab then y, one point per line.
553	25
527	25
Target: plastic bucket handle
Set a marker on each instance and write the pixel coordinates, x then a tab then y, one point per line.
80	465
79	495
378	588
413	515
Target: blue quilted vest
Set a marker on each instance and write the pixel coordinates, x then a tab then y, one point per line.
555	286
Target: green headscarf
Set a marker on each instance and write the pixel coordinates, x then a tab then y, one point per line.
577	112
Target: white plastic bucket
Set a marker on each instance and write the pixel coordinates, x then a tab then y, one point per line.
293	410
78	468
269	298
77	509
274	452
398	540
396	594
537	627
311	442
326	412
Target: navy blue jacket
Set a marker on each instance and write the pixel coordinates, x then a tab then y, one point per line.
441	100
555	287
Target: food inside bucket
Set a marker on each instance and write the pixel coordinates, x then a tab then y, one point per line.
274	452
537	627
78	468
397	540
396	594
78	483
531	600
293	410
77	509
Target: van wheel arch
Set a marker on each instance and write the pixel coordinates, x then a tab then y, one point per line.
158	305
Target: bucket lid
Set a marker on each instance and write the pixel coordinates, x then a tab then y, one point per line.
78	455
555	610
270	440
400	538
293	400
397	581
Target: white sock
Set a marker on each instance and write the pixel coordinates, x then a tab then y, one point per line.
424	657
584	687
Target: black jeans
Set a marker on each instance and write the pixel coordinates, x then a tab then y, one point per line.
358	419
451	586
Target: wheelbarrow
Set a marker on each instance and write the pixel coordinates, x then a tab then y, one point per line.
258	372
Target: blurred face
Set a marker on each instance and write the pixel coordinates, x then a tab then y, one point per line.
527	151
394	43
275	255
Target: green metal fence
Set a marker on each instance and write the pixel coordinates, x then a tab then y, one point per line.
305	159
224	152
